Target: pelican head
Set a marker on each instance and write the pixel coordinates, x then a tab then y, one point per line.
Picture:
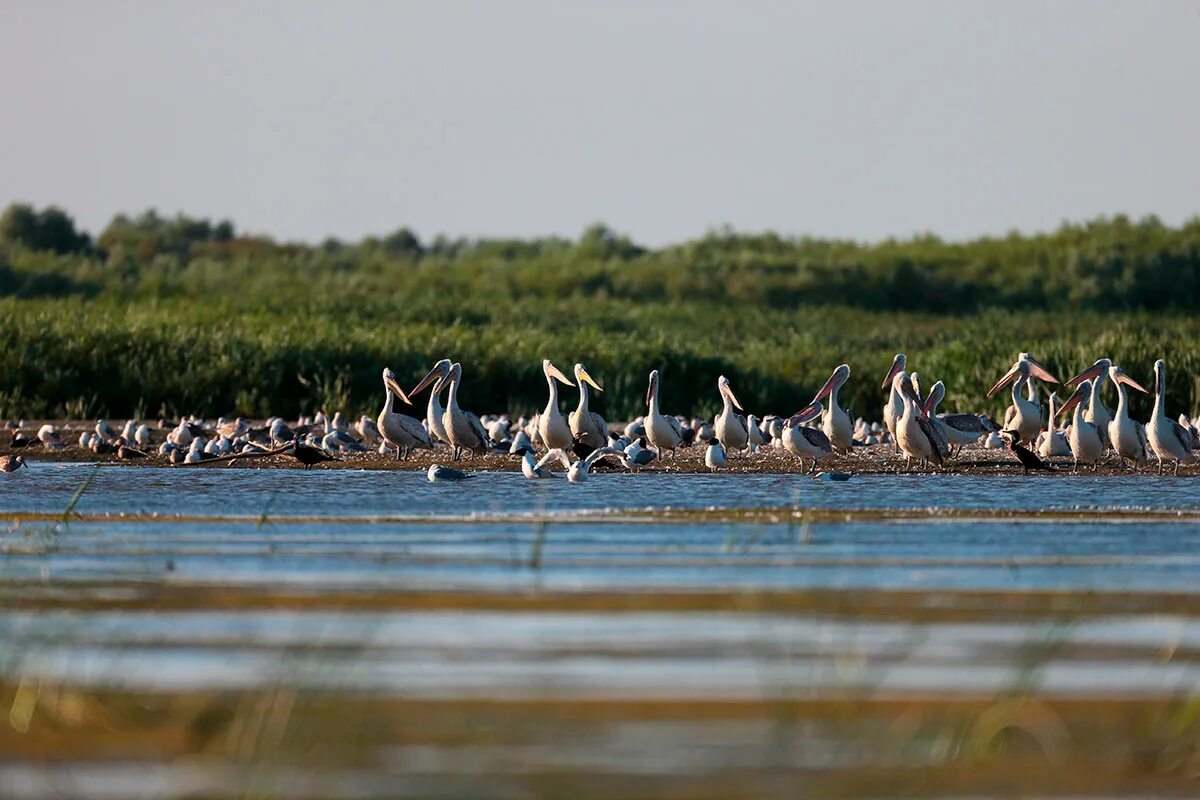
455	374
1099	370
936	393
1119	376
836	380
1082	390
389	381
810	411
727	391
551	371
898	365
1160	376
1026	367
439	373
652	389
907	389
581	374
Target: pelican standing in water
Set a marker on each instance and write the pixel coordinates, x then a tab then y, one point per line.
664	432
894	406
804	442
914	432
552	425
729	426
587	425
463	428
1169	440
836	422
1126	435
400	430
1027	419
1096	413
1084	438
434	412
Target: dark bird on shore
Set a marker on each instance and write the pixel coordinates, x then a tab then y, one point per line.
309	456
18	440
1027	457
580	448
12	463
687	437
101	447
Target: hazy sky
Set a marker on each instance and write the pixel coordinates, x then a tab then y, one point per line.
308	119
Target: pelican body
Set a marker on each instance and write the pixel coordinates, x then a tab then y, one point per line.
956	429
587	425
434	412
1126	435
1052	442
835	421
729	427
804	442
915	434
1026	417
1169	440
1096	413
1084	437
894	406
401	431
664	432
463	428
552	424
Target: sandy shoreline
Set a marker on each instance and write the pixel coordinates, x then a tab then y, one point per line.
875	460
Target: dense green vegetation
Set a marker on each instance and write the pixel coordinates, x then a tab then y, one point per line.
158	316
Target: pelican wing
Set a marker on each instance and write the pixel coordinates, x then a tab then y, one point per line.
1143	442
1183	435
415	429
817	438
477	428
555	455
601	424
965	423
937	443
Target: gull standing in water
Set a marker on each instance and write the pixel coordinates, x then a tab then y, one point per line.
585	424
552	425
1168	439
401	431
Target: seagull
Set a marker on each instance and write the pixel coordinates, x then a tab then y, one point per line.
437	474
105	431
540	469
714	456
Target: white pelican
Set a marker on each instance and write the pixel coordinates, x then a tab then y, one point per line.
1084	438
587	426
434	413
729	427
1168	439
894	406
804	442
1096	413
664	432
439	474
401	431
462	427
552	425
835	422
1051	442
956	429
914	432
714	455
1126	435
1027	419
756	439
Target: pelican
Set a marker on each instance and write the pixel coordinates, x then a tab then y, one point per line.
1126	435
914	432
956	429
1052	442
714	455
804	442
895	403
434	413
464	428
1027	419
729	427
552	425
1084	437
1096	413
1168	439
835	422
439	474
401	431
585	424
664	432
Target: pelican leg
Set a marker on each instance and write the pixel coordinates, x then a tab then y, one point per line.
1160	465
1176	472
1096	465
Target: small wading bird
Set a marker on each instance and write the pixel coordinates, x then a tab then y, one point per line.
714	455
1026	456
12	463
305	454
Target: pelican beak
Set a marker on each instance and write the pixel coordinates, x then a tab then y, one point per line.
925	409
1130	382
1040	372
588	379
805	414
1089	374
650	389
833	381
1006	380
1075	399
891	374
728	392
429	378
557	374
395	387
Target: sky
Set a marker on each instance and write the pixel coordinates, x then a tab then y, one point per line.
864	120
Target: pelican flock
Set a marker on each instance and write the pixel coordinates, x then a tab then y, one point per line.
1081	432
